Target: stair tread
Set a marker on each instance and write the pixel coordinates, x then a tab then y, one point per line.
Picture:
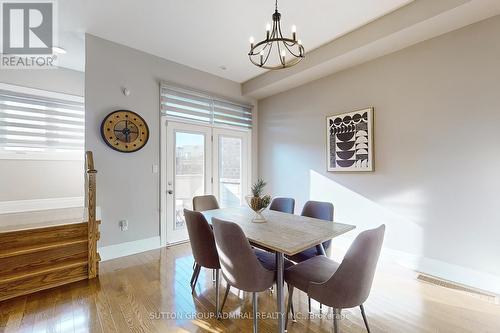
40	247
44	218
45	270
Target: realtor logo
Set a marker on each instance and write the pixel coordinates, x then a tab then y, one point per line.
27	28
28	34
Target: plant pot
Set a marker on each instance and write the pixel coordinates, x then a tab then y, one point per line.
258	206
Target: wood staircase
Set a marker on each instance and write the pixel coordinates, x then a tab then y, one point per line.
39	256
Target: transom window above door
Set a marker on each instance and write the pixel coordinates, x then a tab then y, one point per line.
190	105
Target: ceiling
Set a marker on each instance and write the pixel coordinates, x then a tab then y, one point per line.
207	35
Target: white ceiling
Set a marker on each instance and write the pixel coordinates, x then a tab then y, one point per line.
207	35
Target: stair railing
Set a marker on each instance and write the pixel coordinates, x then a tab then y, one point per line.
93	234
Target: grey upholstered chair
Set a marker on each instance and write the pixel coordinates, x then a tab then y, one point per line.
344	285
244	268
318	210
204	250
201	203
205	202
284	205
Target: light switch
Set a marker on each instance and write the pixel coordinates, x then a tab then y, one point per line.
123	225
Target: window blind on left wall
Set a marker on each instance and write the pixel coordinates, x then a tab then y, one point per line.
33	121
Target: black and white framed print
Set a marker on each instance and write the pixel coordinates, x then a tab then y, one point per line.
350	141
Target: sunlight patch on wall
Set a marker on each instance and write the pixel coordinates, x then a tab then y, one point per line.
402	232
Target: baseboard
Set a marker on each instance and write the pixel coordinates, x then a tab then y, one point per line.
19	206
129	248
459	274
177	243
440	269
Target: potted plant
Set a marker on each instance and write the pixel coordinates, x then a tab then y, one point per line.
257	201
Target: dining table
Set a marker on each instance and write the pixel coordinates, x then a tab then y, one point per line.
285	234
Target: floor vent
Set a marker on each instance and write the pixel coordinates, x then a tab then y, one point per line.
484	295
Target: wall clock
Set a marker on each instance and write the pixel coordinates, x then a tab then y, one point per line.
124	131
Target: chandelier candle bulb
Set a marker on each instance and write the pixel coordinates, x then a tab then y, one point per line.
268	30
251	42
294	32
283	54
261	57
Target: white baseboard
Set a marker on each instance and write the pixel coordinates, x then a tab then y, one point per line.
129	248
440	269
19	206
446	271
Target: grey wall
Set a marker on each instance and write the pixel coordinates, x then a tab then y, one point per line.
38	179
59	80
126	186
437	155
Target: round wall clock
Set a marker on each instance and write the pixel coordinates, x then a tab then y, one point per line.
124	131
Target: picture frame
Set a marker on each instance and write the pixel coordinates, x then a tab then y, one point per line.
349	141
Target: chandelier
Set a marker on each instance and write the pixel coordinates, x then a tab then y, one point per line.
276	51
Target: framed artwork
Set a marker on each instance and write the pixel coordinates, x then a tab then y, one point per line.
349	144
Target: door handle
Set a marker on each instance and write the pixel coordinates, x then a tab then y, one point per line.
170	192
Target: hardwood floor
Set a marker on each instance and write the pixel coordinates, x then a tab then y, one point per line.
136	294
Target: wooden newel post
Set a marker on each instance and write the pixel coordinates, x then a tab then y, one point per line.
92	223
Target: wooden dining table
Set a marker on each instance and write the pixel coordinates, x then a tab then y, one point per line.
285	234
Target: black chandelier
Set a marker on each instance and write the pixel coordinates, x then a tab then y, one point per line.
289	51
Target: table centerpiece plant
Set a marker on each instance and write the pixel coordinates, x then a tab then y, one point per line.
258	202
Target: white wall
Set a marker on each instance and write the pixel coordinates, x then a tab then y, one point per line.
126	186
39	179
437	155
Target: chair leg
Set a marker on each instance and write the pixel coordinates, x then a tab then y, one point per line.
309	303
194	274
198	269
213	275
364	317
217	297
289	306
271	290
255	309
336	317
225	297
320	308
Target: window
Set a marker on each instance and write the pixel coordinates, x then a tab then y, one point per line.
37	124
190	105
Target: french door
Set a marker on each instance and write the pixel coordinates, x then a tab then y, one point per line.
197	160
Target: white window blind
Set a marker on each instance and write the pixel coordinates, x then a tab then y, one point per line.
191	105
34	121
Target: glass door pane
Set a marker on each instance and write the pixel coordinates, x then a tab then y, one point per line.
230	171
186	172
198	160
189	178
